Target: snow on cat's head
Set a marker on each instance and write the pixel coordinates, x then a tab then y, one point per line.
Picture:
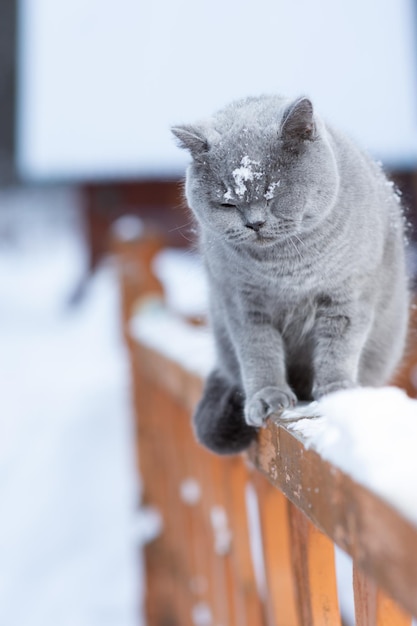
262	170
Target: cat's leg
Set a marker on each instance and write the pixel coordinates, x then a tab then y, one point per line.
263	370
340	334
218	420
251	353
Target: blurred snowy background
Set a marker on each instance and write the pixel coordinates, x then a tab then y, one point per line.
100	83
69	529
88	90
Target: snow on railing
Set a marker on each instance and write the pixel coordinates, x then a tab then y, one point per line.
236	548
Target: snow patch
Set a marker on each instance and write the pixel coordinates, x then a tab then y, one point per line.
128	228
270	192
190	491
244	174
369	434
201	614
149	525
190	346
255	538
222	532
182	276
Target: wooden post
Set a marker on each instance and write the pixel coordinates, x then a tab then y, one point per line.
389	613
315	572
236	479
365	593
372	606
277	547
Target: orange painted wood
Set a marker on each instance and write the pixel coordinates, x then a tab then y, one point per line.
322	575
163	599
177	559
326	495
206	573
373	607
236	479
277	548
170	566
227	594
365	594
165	439
389	613
381	541
209	577
137	281
315	572
178	524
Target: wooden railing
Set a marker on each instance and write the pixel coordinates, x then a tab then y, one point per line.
249	540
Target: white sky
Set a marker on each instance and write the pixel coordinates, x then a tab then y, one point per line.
102	80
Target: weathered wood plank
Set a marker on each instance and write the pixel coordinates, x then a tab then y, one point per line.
137	281
380	540
360	522
226	599
164	598
389	613
209	579
365	593
277	548
373	607
315	575
236	479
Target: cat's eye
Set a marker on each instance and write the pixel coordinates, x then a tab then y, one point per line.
228	205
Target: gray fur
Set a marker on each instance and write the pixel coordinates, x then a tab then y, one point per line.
303	242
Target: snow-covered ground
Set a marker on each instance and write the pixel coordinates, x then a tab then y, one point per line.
68	488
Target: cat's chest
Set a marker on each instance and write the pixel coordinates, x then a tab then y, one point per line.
295	319
290	309
290	306
290	286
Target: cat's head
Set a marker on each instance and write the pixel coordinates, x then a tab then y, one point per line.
262	170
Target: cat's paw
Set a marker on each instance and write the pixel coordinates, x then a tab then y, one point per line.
323	390
267	401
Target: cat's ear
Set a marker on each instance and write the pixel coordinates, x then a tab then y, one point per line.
191	138
298	121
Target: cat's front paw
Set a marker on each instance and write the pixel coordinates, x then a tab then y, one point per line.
267	401
323	390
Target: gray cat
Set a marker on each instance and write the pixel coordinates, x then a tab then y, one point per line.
303	242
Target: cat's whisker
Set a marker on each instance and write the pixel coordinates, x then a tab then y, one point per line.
295	247
190	240
192	231
171	230
300	240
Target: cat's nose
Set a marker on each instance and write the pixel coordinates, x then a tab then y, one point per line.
256	226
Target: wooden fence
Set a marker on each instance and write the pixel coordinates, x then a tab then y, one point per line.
249	540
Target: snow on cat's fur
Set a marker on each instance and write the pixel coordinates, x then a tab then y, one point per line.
303	244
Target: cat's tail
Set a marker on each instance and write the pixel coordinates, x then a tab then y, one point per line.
219	422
